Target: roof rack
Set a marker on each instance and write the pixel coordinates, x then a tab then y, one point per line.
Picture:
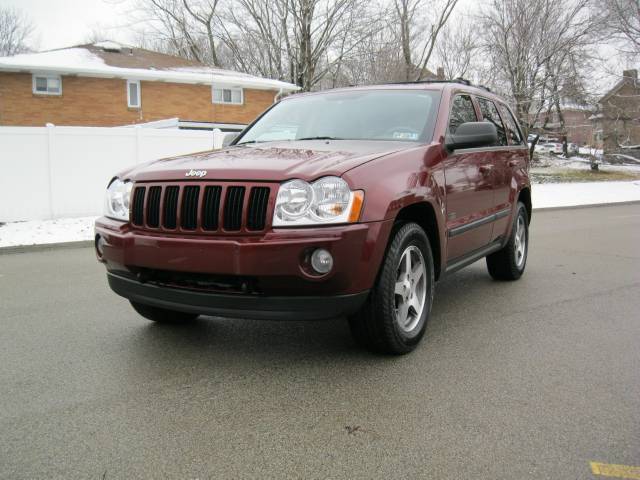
463	81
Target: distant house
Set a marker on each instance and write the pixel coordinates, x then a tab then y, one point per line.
617	122
108	84
577	123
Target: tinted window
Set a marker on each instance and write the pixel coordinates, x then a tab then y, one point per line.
512	127
490	114
462	111
400	115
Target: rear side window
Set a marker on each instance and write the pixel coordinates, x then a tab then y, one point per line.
462	111
490	114
512	126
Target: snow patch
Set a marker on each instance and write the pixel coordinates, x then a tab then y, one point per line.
38	232
80	61
108	45
548	195
543	196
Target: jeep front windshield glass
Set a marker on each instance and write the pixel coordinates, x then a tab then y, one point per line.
395	115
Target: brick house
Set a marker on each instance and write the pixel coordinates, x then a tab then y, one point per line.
617	122
107	84
577	123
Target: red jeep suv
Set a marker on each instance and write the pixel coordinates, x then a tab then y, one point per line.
345	202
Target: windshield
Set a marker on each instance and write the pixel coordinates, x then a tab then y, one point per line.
398	115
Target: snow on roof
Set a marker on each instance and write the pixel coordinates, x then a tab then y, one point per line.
82	62
108	45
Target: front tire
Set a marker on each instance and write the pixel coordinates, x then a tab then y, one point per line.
509	263
162	315
395	316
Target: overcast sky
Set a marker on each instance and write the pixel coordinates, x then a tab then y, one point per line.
61	23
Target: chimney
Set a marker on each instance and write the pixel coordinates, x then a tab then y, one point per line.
633	74
440	73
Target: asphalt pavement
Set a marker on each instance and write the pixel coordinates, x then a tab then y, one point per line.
527	380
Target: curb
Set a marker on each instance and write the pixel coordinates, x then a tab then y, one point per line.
589	205
45	246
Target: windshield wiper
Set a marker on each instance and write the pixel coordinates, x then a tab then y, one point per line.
320	138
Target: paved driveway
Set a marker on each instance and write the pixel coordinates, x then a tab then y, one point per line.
532	379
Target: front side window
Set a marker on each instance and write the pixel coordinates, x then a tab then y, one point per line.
512	127
395	115
462	111
47	84
490	114
133	94
232	96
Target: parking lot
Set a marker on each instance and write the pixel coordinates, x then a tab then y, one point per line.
532	379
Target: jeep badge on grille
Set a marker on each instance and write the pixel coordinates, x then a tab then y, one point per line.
195	173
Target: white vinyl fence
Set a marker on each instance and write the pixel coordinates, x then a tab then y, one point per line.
54	172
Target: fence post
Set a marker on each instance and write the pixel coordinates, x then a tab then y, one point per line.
50	144
218	138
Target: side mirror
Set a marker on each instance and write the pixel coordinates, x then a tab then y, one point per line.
472	135
228	138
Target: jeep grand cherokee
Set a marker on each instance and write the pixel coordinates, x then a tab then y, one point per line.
351	202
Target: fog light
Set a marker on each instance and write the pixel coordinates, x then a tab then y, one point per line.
321	261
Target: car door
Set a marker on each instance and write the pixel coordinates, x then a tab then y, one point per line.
469	188
516	159
501	171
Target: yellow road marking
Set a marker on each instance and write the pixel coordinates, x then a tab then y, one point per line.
617	471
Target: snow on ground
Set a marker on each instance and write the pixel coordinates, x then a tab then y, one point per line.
46	231
589	151
548	195
544	196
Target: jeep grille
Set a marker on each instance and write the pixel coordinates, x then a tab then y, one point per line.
201	207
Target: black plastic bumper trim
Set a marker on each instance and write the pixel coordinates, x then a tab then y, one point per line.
238	306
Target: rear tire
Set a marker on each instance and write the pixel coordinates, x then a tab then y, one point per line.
509	263
394	318
162	315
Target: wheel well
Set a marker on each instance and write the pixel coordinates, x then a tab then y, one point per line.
525	197
424	215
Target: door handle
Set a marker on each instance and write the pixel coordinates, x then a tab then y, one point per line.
486	169
513	163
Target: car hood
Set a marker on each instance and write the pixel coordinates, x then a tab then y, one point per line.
273	161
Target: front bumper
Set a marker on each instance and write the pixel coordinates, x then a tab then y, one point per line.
239	306
274	263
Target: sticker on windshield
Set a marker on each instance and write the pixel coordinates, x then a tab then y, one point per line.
405	136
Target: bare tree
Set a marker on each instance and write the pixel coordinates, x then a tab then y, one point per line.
301	41
15	30
620	20
184	27
417	32
523	39
457	49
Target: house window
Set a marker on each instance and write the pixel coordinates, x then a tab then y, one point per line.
227	95
47	85
133	93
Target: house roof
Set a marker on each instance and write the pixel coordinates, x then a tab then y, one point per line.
112	60
621	83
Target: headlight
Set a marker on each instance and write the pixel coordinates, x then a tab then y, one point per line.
116	202
327	200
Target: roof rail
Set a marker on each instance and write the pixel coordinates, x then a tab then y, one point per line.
463	81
